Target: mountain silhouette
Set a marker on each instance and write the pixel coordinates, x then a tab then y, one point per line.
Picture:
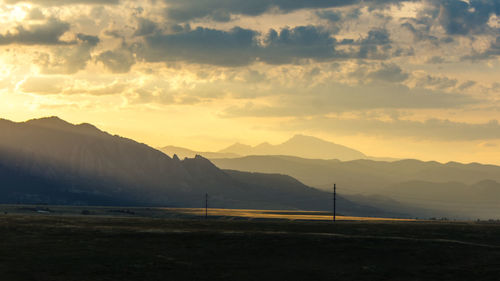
300	146
188	153
51	161
455	189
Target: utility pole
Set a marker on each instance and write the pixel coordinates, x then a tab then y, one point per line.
334	201
206	205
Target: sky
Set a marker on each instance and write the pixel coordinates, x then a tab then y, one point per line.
404	79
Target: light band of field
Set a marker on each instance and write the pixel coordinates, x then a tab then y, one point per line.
275	214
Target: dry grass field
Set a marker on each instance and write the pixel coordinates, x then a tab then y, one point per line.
274	214
51	243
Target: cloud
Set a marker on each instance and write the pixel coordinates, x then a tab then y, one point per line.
467	84
64	2
114	88
421	31
429	81
48	33
456	17
222	10
59	85
118	61
376	41
466	17
331	16
145	27
488	144
376	45
436	60
492	51
43	85
202	45
36	14
239	46
302	42
69	60
385	72
335	97
389	73
433	129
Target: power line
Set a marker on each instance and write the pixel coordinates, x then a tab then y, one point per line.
334	201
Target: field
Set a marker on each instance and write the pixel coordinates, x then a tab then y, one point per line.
89	244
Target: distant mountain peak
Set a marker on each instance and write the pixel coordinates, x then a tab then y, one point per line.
56	123
239	145
237	148
263	145
302	136
300	146
89	128
305	138
51	121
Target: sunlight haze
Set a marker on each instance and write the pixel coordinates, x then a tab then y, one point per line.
401	79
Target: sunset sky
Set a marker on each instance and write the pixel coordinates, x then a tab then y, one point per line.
405	79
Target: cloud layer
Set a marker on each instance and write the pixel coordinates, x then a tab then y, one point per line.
347	67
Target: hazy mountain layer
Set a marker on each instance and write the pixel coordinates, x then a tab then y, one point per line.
301	146
51	161
465	190
188	153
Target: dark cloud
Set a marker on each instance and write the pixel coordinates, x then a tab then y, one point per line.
221	10
491	52
90	40
114	34
302	42
47	33
69	60
64	2
386	72
376	45
421	32
145	27
436	60
377	37
202	45
434	129
331	16
389	73
436	82
335	19
36	14
462	18
467	85
239	46
456	17
118	61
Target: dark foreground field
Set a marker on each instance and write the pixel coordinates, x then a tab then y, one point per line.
93	248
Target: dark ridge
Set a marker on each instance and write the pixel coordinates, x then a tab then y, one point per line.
49	160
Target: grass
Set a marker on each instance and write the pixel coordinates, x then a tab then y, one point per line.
272	214
151	244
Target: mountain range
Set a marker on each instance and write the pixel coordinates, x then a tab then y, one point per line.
410	186
51	161
299	146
